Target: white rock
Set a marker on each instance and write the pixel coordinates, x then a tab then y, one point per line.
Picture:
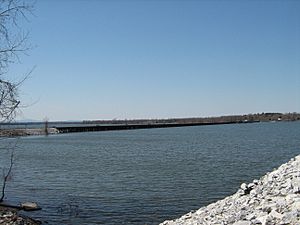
263	219
242	223
296	205
250	216
296	189
244	186
29	206
256	182
276	215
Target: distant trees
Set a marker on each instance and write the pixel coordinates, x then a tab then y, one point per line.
13	43
258	117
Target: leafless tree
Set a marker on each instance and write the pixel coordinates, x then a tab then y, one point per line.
7	174
13	43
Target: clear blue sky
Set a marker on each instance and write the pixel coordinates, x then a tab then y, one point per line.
161	59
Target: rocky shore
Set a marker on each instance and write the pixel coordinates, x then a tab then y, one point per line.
27	132
9	216
272	200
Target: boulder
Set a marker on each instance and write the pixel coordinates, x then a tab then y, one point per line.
242	222
30	206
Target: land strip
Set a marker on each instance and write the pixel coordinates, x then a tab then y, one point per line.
41	128
71	129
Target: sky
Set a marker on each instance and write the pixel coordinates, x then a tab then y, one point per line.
160	59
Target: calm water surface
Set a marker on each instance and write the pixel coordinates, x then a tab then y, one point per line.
142	176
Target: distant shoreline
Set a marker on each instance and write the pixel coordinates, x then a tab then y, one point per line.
101	128
45	128
95	127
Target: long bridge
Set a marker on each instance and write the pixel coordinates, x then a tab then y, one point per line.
90	128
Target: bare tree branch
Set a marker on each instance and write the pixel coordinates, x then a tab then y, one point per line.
13	42
12	39
8	173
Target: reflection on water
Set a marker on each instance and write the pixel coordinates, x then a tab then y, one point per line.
143	176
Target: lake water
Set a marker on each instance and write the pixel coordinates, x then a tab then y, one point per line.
142	176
